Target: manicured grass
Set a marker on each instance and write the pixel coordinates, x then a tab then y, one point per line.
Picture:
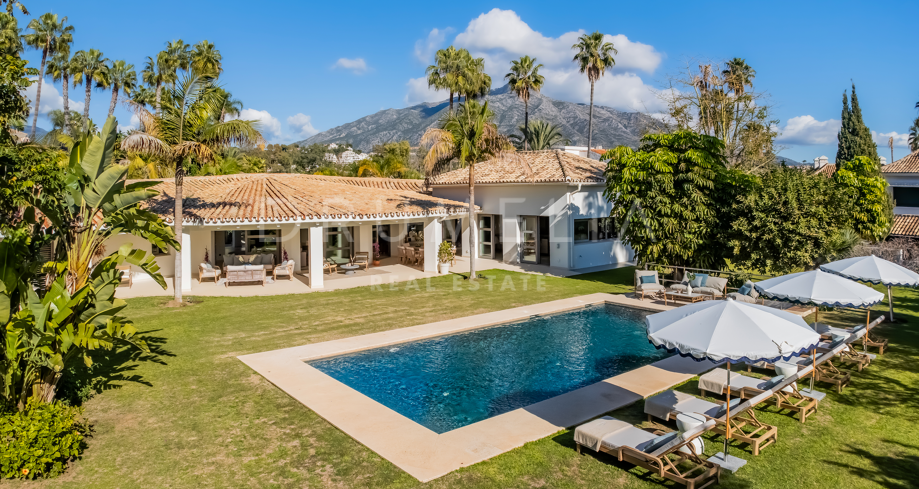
194	416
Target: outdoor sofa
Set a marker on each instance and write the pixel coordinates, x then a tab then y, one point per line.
657	452
246	273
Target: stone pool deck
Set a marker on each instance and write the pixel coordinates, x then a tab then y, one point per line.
427	455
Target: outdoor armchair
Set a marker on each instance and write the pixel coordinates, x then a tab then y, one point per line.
330	265
361	259
206	270
285	268
646	285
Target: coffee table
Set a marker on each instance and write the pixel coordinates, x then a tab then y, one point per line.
349	269
693	297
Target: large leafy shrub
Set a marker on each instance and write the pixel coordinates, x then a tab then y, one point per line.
40	440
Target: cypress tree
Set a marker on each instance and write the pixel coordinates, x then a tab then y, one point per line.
854	136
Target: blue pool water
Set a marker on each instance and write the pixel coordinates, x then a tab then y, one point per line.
451	381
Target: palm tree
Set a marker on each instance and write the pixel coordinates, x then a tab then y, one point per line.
63	122
185	133
539	136
59	67
10	4
143	96
156	73
477	82
89	67
121	77
469	137
178	57
229	105
524	77
737	75
49	33
206	59
594	57
914	136
448	71
10	41
388	166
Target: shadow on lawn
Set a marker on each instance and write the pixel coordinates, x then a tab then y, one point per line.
112	369
895	472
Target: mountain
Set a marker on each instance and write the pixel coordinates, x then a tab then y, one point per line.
611	127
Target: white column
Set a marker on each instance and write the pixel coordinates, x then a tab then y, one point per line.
433	235
186	262
317	256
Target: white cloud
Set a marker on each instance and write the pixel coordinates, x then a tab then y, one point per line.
51	99
357	65
425	48
303	124
500	36
419	91
806	130
133	124
268	125
882	139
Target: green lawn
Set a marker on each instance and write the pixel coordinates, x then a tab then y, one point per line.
194	416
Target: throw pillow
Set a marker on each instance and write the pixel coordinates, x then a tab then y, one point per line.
724	407
699	280
647	279
745	290
773	382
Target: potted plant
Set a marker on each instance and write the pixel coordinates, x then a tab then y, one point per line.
376	254
445	256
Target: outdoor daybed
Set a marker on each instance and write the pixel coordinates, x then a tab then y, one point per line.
657	452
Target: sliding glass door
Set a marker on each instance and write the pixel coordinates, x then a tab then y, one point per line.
528	245
486	234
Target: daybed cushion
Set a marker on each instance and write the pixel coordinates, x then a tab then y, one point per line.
235	268
742	298
678	287
647	287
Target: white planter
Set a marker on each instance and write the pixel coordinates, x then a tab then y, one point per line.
444	268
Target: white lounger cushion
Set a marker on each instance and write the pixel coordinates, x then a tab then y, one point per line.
661	405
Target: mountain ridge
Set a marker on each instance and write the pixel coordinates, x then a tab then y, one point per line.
611	127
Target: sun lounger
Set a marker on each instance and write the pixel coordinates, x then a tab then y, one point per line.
657	452
827	332
826	371
847	355
746	387
744	426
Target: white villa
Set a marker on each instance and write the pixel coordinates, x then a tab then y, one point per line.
903	181
555	217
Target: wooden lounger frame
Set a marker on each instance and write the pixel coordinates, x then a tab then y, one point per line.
827	373
791	401
745	428
666	466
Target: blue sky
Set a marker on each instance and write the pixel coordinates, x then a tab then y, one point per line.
302	67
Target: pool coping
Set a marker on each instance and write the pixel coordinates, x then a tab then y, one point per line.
427	455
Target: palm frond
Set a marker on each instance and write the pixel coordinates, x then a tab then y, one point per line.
145	144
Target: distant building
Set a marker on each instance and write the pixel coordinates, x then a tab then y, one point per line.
903	181
348	157
582	150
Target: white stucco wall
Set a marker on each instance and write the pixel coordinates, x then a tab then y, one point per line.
512	201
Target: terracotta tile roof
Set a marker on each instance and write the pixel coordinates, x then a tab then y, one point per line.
547	166
907	164
278	197
826	170
905	225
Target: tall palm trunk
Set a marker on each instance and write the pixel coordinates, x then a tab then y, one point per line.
89	89
159	93
451	101
223	113
66	104
177	282
526	124
41	75
111	106
473	234
590	119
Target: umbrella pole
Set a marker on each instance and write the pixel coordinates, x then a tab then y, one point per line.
728	420
865	338
814	365
890	302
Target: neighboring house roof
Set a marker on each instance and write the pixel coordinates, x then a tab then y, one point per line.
279	197
907	164
905	226
547	166
826	170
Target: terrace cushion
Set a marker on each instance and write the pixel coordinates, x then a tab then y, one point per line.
742	298
699	280
745	289
651	286
648	279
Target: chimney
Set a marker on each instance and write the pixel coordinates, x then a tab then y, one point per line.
820	162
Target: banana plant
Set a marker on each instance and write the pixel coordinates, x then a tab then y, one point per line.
78	311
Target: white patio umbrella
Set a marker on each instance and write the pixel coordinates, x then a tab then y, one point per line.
874	270
731	331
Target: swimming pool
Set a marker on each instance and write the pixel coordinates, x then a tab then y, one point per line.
447	382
